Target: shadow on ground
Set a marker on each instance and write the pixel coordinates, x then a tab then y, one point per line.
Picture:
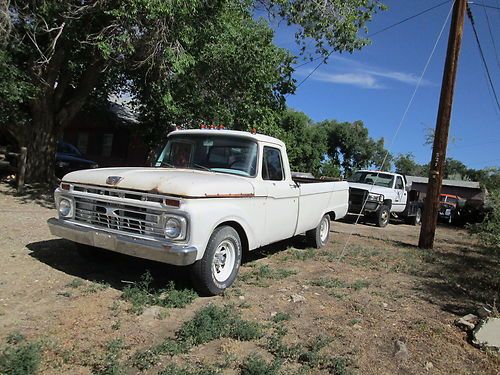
41	194
119	270
115	269
461	280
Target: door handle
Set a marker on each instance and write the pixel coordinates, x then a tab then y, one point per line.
293	186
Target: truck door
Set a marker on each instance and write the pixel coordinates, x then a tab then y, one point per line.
399	203
282	203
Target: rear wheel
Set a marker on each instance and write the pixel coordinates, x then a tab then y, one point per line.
382	216
318	237
417	219
220	264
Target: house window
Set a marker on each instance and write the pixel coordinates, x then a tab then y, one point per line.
82	141
107	145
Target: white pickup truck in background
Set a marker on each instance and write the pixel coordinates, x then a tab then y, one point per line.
379	195
213	195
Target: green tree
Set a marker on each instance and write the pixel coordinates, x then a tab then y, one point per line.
306	142
59	56
406	164
350	146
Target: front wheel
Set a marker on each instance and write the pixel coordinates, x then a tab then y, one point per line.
382	217
318	237
220	264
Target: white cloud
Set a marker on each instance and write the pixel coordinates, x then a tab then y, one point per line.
352	72
362	80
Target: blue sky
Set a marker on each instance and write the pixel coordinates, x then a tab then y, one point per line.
375	84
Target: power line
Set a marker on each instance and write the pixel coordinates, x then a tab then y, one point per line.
400	125
483	5
368	36
469	13
491	34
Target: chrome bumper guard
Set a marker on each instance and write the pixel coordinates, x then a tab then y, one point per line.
136	247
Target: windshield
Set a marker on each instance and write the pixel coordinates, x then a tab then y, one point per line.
372	178
67	148
225	154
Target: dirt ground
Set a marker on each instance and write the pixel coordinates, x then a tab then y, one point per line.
382	291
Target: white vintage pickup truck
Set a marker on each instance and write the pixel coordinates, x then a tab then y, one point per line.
212	195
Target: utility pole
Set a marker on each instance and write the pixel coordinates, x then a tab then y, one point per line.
436	167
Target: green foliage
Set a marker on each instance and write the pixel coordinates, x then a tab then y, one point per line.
209	323
488	232
306	142
350	147
328	283
214	322
20	357
75	283
142	295
111	363
173	369
146	359
406	164
260	274
281	317
254	364
182	62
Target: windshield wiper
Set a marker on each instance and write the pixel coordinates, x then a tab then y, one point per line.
201	167
164	163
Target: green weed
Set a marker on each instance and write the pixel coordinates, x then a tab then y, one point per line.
360	284
142	295
75	283
281	317
328	283
254	364
260	274
177	370
21	357
111	363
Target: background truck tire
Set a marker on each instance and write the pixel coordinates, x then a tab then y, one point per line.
220	264
382	216
318	237
416	220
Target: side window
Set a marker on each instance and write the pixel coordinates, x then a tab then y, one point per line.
399	183
272	166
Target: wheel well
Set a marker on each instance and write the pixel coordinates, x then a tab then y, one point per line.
331	214
241	232
388	203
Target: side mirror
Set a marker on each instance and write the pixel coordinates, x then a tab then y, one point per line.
408	188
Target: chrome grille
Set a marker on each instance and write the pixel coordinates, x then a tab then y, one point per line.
119	193
120	217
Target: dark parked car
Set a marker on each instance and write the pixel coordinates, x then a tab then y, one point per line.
69	159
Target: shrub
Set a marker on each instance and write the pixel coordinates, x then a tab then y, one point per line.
20	359
488	231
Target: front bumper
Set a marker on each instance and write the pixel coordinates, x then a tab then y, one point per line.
137	247
370	207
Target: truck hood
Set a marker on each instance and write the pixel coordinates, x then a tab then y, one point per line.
168	181
372	188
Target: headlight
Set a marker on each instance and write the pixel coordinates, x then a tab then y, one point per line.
175	227
62	164
65	207
375	197
94	166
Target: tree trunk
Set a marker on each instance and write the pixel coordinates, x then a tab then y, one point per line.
42	144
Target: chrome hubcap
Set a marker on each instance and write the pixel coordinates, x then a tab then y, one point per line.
385	216
224	260
324	229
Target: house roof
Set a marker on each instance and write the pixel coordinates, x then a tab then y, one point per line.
457	183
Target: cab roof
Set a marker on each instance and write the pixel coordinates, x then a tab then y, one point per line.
234	133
